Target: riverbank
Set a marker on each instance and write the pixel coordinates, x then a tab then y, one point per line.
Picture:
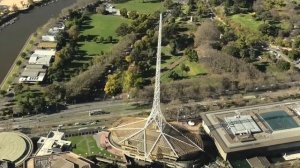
15	68
11	9
13	38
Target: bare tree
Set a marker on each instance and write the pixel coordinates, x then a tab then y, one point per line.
206	33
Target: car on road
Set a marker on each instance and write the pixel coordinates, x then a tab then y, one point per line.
84	128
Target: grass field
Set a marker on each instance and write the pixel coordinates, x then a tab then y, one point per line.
86	146
246	21
137	5
101	25
174	63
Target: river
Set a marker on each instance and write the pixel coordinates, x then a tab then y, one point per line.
13	37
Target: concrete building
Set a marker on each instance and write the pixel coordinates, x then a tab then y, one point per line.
47	45
56	29
15	148
6	164
33	74
53	143
49	38
59	160
42	57
254	131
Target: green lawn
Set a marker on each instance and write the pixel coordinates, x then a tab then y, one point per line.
195	69
104	25
174	63
86	146
93	48
101	25
246	21
147	7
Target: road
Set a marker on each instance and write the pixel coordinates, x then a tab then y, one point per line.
75	114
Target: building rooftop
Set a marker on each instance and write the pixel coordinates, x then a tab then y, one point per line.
242	124
247	128
33	73
65	160
47	45
53	140
171	142
50	38
15	147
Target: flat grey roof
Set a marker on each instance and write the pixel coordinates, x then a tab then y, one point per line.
229	142
242	124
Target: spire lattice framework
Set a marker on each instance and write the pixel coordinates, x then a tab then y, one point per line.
154	136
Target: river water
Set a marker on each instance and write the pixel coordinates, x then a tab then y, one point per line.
13	37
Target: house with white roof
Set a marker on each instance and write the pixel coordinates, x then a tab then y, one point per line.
42	57
49	38
33	74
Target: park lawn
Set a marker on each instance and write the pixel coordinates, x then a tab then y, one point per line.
140	7
104	26
195	68
93	48
87	146
247	21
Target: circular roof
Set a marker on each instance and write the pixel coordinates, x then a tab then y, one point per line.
15	146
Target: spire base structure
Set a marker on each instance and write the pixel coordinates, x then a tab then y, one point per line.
153	138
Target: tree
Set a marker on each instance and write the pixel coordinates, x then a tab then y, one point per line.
23	54
168	4
268	29
54	93
19	62
123	29
192	55
124	12
101	9
128	80
18	88
73	32
2	92
61	39
112	86
232	49
176	11
173	75
109	39
206	33
258	6
185	68
283	65
296	43
265	16
133	15
294	54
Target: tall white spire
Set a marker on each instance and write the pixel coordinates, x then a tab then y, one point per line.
147	137
156	113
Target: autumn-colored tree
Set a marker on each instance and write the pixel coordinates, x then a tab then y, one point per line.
113	85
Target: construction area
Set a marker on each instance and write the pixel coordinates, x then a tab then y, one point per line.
254	130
